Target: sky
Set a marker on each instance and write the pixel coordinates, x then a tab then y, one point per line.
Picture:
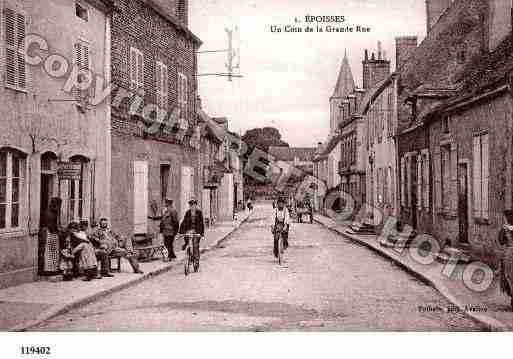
288	77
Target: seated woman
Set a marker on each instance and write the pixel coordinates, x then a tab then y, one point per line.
85	252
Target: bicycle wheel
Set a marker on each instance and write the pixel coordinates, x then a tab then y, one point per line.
196	265
280	249
187	263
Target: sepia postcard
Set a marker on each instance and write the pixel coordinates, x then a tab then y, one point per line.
255	166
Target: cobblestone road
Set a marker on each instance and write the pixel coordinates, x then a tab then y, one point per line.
327	283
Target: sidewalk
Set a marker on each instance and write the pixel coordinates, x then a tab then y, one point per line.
27	305
491	308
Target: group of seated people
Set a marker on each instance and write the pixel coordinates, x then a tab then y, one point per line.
89	251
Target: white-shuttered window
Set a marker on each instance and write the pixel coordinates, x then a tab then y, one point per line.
12	169
136	70
15	26
83	63
182	95
481	167
76	194
161	76
425	180
445	176
140	196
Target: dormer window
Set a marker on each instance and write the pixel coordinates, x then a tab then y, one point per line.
81	11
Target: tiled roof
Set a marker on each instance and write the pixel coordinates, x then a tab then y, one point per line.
489	69
370	95
166	10
485	73
289	153
332	142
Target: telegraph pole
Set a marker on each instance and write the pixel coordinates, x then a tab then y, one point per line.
232	53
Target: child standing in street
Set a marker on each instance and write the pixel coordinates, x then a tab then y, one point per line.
66	264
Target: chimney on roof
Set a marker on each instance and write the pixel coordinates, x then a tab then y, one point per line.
404	47
183	11
375	70
434	10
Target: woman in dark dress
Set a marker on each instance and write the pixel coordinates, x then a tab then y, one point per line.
49	237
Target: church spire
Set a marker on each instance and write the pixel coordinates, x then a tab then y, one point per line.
345	82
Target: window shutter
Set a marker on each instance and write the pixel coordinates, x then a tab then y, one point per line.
133	69
403	182
437	174
15	30
165	87
453	199
408	180
427	182
477	176
140	71
484	175
158	80
419	181
22	71
140	197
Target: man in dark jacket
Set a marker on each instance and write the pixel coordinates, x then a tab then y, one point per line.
169	225
192	221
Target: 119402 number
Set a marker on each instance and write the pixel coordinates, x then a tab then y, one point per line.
33	350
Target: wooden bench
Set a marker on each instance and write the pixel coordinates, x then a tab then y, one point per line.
147	246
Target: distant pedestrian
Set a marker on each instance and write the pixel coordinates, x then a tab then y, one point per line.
250	205
506	264
169	226
49	239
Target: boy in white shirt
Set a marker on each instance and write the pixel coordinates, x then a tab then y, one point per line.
281	223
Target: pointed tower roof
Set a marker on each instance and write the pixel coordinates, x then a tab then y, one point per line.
345	83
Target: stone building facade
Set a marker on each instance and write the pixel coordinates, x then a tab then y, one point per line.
381	119
45	127
153	58
456	150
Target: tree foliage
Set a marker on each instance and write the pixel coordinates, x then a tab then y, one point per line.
263	138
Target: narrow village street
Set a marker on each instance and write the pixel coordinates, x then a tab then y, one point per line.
327	283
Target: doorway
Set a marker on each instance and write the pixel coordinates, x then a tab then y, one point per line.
47	183
413	192
463	202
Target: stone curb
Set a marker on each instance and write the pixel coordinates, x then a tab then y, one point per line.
59	310
489	323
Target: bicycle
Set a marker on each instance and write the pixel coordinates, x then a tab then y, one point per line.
192	253
280	245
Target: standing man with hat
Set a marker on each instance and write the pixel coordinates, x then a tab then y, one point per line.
169	226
